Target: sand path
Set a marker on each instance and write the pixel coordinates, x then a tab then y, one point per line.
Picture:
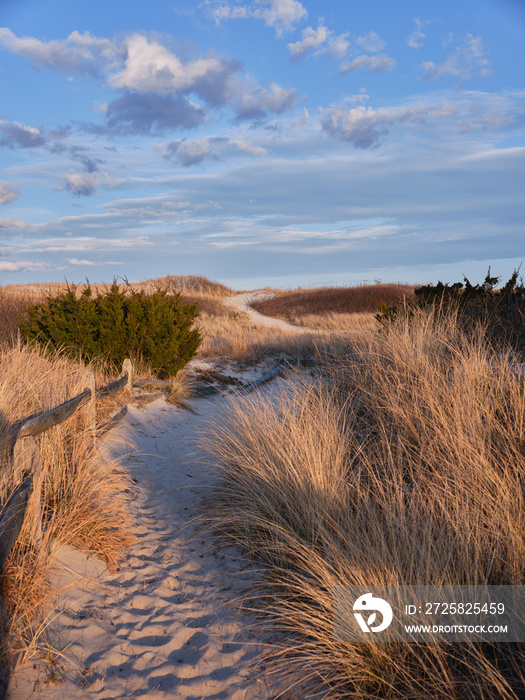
161	627
242	302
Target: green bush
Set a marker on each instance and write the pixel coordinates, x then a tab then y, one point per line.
120	323
501	311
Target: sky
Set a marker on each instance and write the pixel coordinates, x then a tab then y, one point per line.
265	142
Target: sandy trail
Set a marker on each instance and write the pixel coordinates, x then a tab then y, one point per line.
242	302
161	626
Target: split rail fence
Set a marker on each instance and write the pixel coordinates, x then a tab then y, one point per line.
24	454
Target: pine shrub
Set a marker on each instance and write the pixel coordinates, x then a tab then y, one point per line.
499	310
120	323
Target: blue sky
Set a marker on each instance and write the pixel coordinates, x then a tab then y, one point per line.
261	142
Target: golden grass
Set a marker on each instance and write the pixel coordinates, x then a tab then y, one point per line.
181	390
81	495
235	336
403	465
226	332
364	298
189	285
337	322
186	284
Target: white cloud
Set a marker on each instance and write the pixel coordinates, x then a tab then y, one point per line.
85	184
360	125
338	45
17	266
17	135
157	83
319	40
248	146
417	39
192	152
311	39
152	68
76	261
21	135
88	243
372	64
371	42
365	127
282	15
12	224
8	193
161	81
468	60
79	53
254	102
220	11
188	153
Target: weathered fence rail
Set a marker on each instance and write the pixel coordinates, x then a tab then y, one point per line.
48	419
12	519
24	454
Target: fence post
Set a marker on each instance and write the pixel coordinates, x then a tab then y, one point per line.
127	368
26	461
91	407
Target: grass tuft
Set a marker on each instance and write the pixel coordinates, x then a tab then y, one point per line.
83	497
401	464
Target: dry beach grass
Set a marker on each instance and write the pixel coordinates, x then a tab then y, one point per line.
80	494
227	332
335	308
404	465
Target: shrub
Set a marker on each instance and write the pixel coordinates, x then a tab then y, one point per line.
119	323
501	311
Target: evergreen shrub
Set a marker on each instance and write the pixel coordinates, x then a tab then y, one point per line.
120	323
500	310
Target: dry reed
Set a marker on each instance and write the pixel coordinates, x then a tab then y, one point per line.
402	464
364	298
81	495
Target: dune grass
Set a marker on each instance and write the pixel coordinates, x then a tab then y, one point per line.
334	308
225	331
82	496
333	322
402	464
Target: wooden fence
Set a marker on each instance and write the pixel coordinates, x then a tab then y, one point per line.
25	456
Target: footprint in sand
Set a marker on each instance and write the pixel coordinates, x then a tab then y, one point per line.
159	628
